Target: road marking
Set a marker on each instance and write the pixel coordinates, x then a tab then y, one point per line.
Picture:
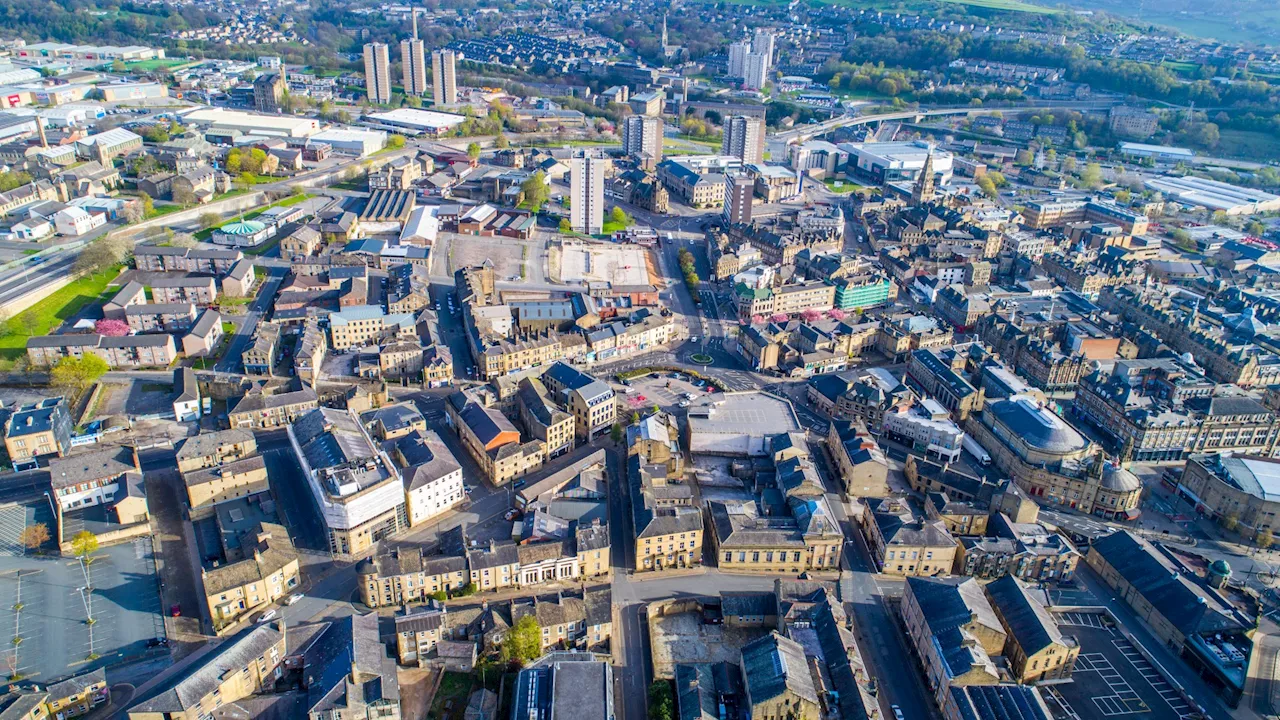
1154	678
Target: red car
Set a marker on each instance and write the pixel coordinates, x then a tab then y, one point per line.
175	610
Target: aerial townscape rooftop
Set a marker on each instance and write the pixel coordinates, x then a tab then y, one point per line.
639	360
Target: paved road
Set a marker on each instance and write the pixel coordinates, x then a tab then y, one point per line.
50	270
230	361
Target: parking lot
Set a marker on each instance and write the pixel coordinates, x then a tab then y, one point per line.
1111	678
662	390
47	609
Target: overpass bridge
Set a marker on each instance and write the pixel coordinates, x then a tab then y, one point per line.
804	133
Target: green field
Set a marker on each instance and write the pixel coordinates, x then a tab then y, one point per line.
1007	5
149	65
52	312
161	210
1247	145
1004	5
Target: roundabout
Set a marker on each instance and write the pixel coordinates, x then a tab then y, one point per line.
701	358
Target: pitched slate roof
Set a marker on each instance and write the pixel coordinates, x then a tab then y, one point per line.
773	665
1024	616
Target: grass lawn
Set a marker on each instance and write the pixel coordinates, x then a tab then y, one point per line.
1009	5
31	251
711	142
841	186
264	248
162	210
1246	144
149	65
53	311
454	687
574	143
1181	67
232	193
358	183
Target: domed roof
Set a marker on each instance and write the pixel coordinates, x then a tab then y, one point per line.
1189	359
1039	427
242	227
1247	324
1117	479
1220	566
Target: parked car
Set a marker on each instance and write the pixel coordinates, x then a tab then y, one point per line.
268	616
158	642
512	514
897	712
294	598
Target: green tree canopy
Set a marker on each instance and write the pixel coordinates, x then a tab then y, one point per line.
77	373
536	192
524	642
84	545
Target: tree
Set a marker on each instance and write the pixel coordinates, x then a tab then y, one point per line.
473	150
535	190
148	205
1183	240
395	142
234	159
501	142
13	179
77	374
987	186
524	642
1255	228
101	255
29	321
209	219
1264	539
1091	176
133	213
34	536
183	196
565	226
618	215
661	700
1230	522
118	66
111	327
84	545
254	161
615	434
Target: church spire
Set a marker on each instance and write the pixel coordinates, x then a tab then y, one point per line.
923	191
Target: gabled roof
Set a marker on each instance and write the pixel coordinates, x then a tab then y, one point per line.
1024	616
774	665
